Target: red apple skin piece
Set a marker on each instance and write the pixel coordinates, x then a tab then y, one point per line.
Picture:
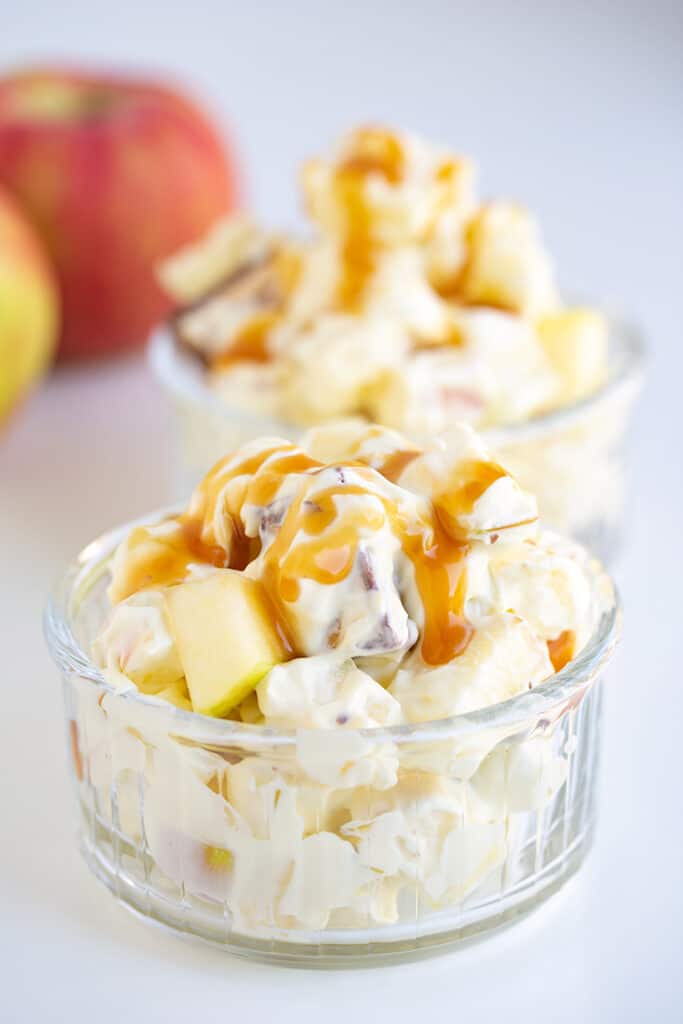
116	173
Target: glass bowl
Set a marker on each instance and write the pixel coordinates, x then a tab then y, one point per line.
573	459
327	847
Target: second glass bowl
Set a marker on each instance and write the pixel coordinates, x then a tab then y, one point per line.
572	459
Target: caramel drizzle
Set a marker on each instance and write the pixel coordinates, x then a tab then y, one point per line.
319	539
270	284
392	464
163	560
250	344
561	649
469	482
375	152
327	547
282	273
457	286
392	467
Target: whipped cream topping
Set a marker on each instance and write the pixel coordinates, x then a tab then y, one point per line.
407	583
413	304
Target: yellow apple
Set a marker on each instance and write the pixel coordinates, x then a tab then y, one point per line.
225	636
29	306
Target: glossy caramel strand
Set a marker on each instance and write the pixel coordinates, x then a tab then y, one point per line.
375	152
250	344
561	649
316	537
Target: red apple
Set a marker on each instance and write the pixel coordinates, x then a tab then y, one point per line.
116	173
29	306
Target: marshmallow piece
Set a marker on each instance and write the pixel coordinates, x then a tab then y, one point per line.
474	496
326	875
323	693
520	776
503	658
345	759
136	641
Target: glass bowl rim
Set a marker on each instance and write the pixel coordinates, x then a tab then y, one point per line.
73	587
182	377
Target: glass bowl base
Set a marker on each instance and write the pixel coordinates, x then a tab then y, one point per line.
441	934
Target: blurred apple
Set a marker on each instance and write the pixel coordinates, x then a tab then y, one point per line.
116	173
29	304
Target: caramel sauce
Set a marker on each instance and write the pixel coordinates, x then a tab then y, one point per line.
327	549
359	251
270	286
440	576
454	285
460	285
490	298
470	480
210	490
393	465
449	287
200	551
454	337
263	474
318	537
167	558
374	152
163	560
250	344
447	172
390	465
561	649
263	489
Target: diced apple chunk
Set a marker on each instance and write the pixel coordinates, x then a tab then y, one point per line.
575	341
507	266
226	638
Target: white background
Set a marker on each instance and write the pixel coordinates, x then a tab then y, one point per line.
574	108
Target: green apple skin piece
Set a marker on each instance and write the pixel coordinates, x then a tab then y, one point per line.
226	638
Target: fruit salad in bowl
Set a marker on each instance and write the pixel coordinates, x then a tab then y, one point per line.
343	704
412	304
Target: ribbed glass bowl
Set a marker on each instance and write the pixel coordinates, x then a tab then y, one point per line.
327	847
572	459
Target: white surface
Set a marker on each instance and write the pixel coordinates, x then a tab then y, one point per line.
574	108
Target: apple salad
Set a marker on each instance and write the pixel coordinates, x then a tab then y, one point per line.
413	304
318	596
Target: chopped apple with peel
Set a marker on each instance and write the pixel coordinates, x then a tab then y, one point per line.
575	341
226	638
